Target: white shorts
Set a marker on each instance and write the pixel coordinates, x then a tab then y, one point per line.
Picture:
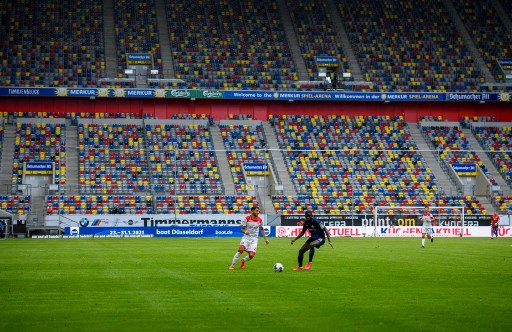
250	243
426	230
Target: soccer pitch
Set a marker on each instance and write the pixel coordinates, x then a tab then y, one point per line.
164	284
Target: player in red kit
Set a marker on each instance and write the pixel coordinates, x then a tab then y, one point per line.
495	220
250	227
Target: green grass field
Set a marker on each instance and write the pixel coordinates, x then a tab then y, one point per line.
363	284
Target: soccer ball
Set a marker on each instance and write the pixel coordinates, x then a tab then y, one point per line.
278	267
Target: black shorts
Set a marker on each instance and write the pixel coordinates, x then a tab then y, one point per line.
321	241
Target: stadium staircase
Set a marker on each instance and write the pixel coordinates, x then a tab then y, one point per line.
292	41
263	198
35	220
277	159
109	38
7	153
265	201
492	171
222	160
165	46
357	75
463	32
36	213
72	159
442	179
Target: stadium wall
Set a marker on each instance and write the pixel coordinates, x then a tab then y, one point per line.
214	225
258	110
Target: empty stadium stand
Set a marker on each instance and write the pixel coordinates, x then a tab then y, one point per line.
405	46
112	157
337	164
491	36
181	157
341	163
398	46
51	43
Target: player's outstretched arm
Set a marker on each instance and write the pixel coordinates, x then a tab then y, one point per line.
326	231
300	235
262	230
328	237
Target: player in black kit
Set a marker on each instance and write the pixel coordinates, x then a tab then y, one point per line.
318	232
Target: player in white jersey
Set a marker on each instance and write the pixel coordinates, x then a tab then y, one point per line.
250	227
427	220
